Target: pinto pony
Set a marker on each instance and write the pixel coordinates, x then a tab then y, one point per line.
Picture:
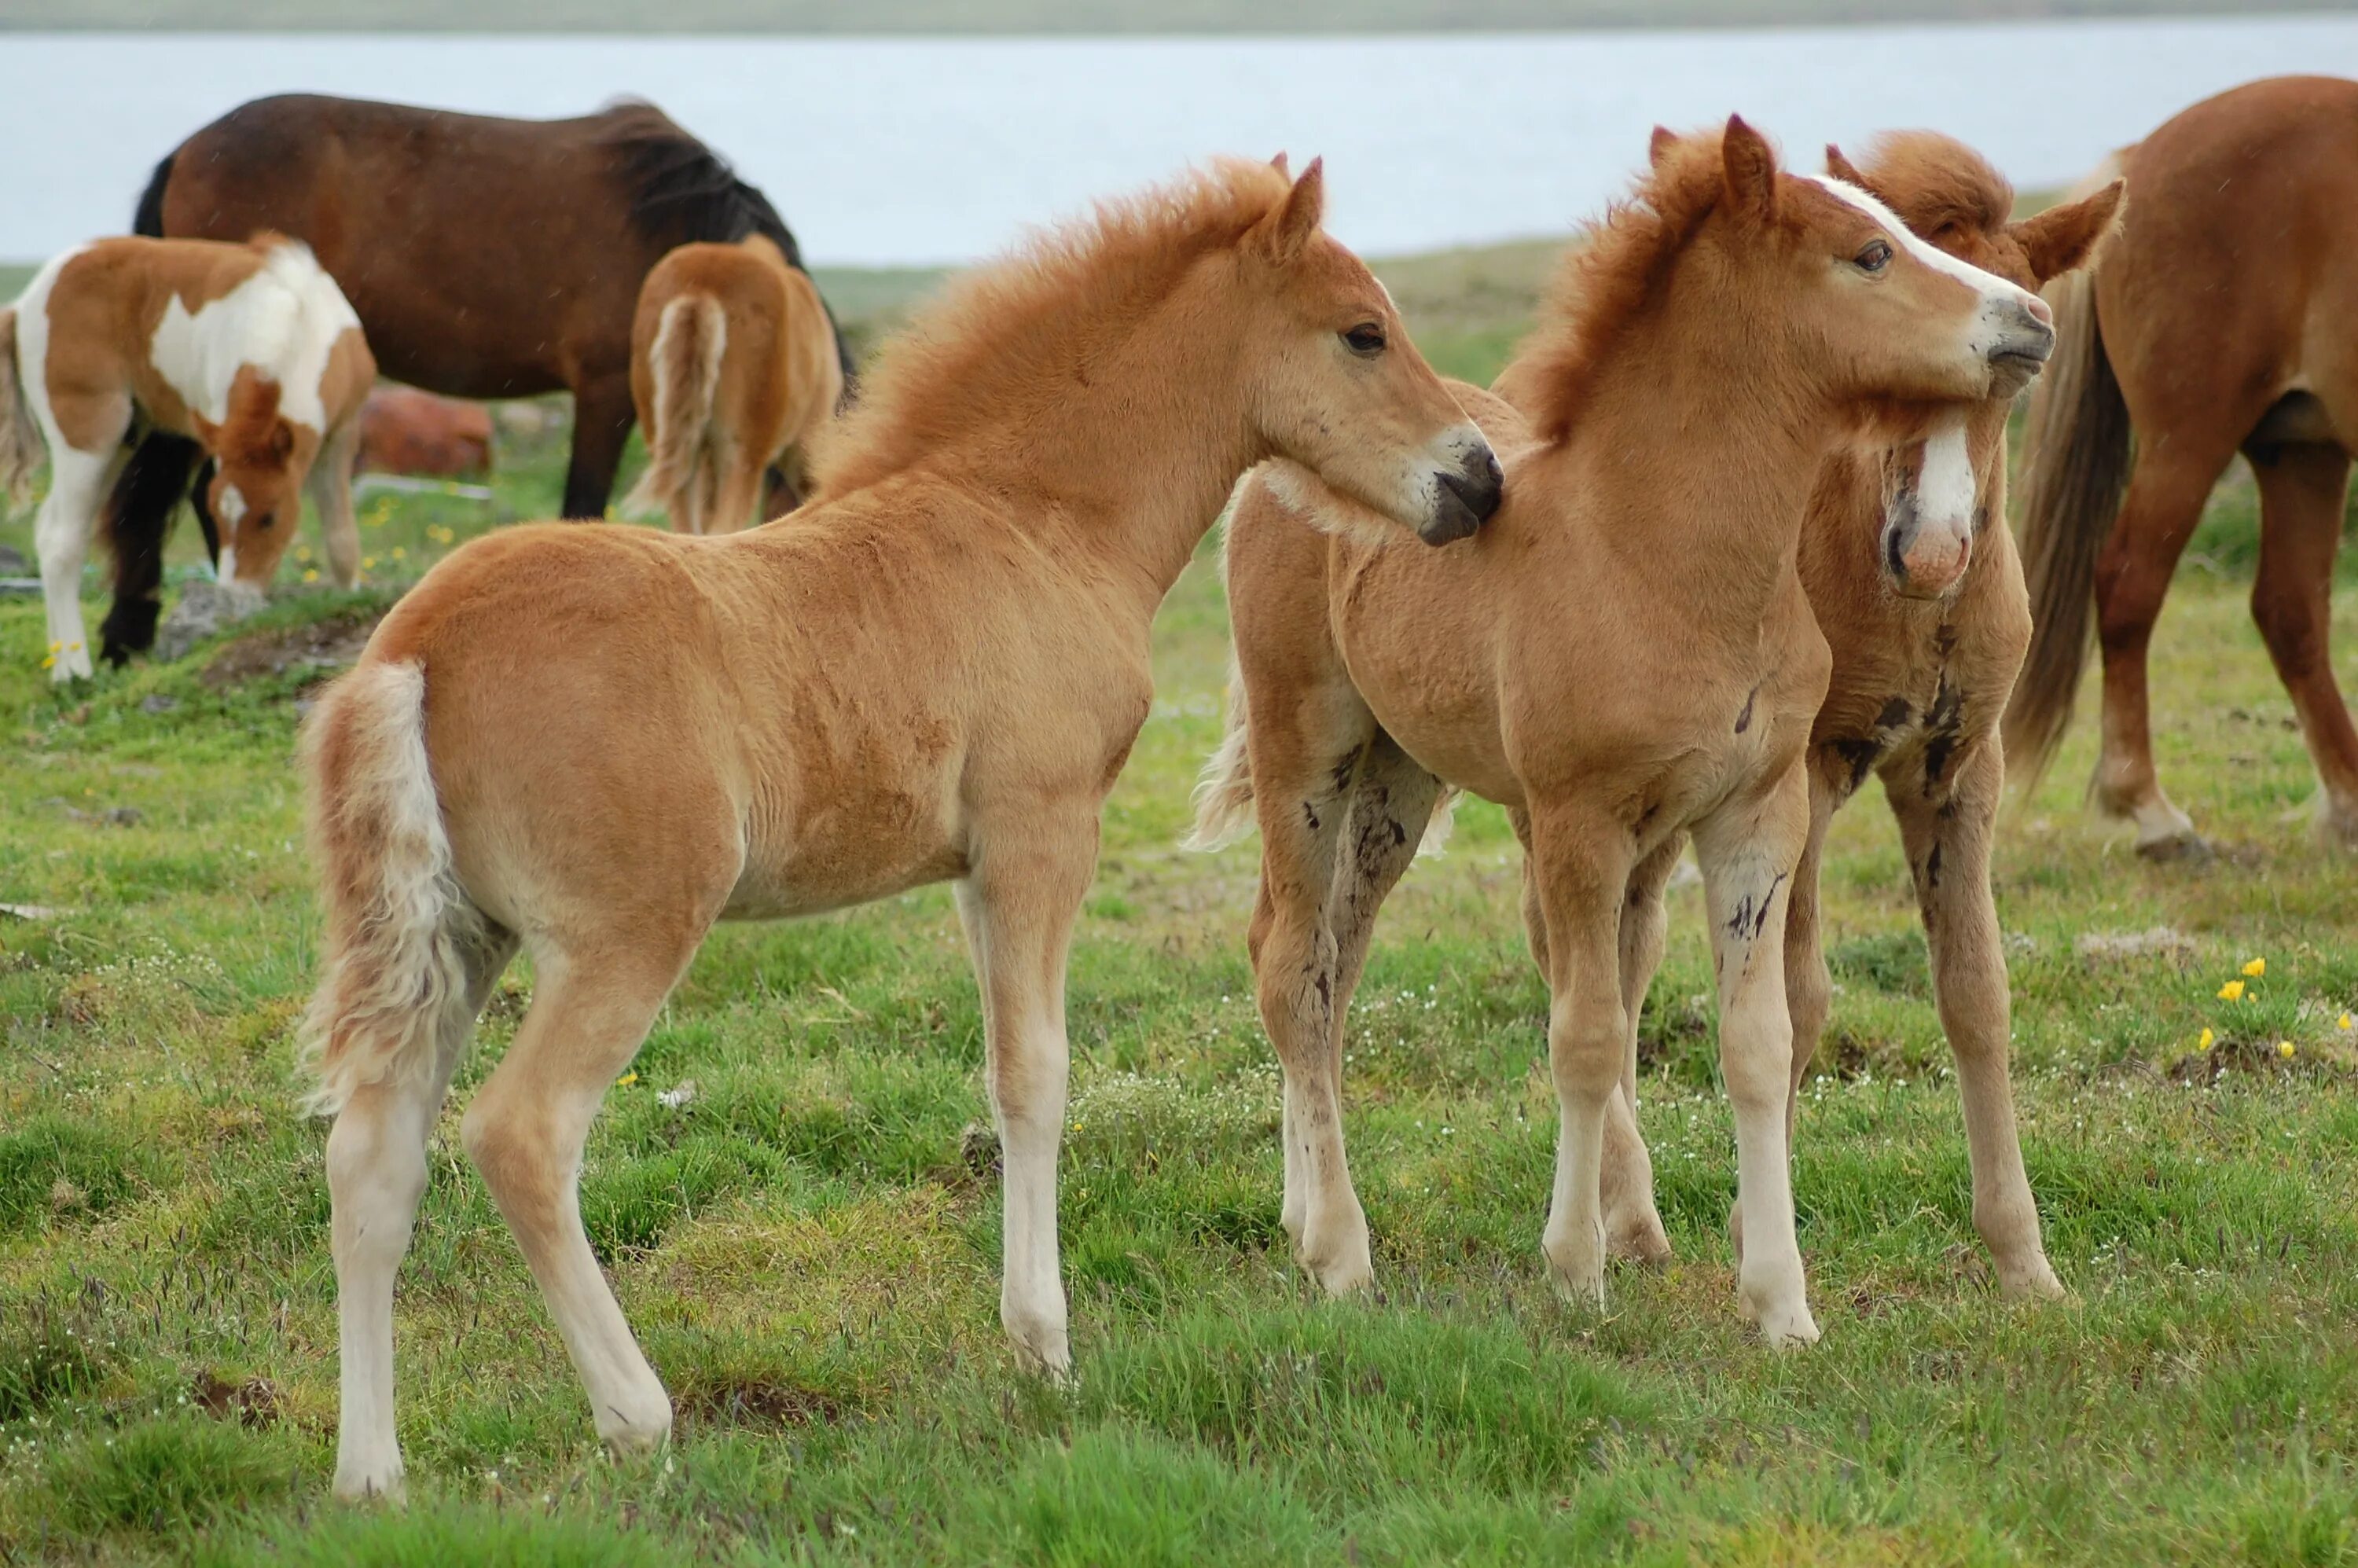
487	257
2218	319
1913	577
594	742
245	352
1624	656
733	366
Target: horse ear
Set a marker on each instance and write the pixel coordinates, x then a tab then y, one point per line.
2063	238
1842	168
1748	166
1278	163
1285	231
1660	143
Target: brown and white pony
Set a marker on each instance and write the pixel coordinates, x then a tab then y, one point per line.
595	742
2221	319
733	367
247	351
1913	577
1623	657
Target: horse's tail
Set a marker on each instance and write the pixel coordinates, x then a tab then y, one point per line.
21	447
691	336
1224	794
395	971
149	218
2076	460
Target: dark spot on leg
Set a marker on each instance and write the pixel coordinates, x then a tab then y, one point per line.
1944	723
1932	870
1325	984
1744	719
1859	755
1310	811
1895	713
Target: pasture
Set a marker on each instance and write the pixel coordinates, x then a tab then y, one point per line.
795	1197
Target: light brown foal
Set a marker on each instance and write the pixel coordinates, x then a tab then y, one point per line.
595	742
1914	579
1624	656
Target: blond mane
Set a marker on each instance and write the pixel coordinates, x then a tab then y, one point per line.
1008	335
1605	279
1932	181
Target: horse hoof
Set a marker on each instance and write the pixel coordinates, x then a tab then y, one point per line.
1788	1328
2176	846
389	1487
2036	1283
1640	1239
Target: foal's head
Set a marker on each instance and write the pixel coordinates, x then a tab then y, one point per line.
1337	387
257	496
1943	489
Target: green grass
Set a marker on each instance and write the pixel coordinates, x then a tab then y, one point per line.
808	1249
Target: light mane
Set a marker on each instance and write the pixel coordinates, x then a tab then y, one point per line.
1009	336
1607	278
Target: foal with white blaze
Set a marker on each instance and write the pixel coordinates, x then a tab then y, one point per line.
250	349
593	742
1622	657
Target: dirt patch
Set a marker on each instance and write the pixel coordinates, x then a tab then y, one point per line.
754	1403
325	647
252	1403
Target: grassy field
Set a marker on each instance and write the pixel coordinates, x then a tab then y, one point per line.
808	1246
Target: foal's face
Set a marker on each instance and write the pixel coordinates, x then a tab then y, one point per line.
255	498
1341	390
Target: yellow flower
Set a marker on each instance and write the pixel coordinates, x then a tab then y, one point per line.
626	1080
310	573
57	647
50	662
2231	991
2206	1041
2284	1049
2344	1024
368	563
2256	968
399	554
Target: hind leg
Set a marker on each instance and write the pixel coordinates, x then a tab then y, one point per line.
593	1006
603	416
61	533
2301	493
2166	493
331	485
376	1175
739	489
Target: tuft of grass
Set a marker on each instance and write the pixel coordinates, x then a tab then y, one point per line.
56	1171
165	1476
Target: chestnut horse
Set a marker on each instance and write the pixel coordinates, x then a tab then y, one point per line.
1625	656
733	367
596	742
1913	577
247	351
2218	319
487	257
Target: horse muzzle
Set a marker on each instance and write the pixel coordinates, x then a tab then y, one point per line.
2020	350
1921	559
1464	499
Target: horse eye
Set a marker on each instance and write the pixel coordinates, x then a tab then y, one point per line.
1366	338
1874	258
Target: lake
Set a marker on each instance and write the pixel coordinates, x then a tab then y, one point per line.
901	151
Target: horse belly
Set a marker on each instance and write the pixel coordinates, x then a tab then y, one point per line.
848	841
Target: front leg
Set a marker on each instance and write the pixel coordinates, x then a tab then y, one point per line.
1749	853
1017	904
1947	836
331	485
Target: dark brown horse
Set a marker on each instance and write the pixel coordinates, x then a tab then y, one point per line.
486	257
2219	319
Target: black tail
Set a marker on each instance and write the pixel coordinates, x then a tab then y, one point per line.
149	219
136	523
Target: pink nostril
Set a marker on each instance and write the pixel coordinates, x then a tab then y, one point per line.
2040	313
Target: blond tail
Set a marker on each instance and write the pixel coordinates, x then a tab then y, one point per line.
2076	460
401	934
1224	794
21	447
691	336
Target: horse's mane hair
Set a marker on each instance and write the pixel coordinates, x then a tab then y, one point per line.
681	190
1607	278
1931	180
989	339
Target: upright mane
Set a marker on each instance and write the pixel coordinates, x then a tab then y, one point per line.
681	190
1011	335
1607	277
1932	181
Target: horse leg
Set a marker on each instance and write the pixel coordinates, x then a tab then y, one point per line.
2302	488
739	487
331	485
1581	867
591	1009
1633	1227
1017	906
603	416
376	1174
1947	837
2166	492
1749	853
61	531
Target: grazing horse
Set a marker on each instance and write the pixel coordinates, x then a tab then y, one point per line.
596	742
406	432
733	366
248	352
1914	580
1624	656
487	257
2218	320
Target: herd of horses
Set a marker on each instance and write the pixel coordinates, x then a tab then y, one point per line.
1725	538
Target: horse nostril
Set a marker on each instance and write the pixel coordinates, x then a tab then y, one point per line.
1481	484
